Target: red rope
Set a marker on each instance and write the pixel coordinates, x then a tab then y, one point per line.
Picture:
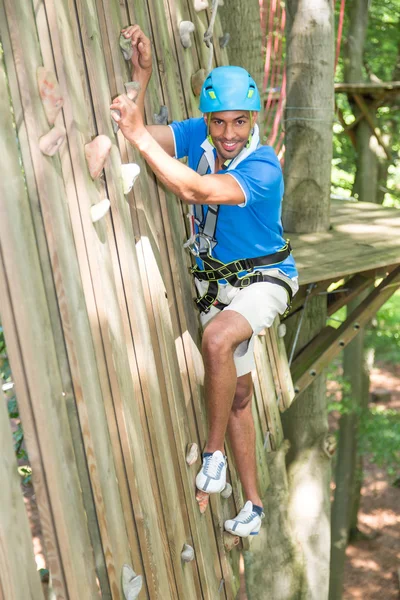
339	33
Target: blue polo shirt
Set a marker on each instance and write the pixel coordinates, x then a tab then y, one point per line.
253	228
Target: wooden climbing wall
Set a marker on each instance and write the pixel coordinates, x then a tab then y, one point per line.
99	318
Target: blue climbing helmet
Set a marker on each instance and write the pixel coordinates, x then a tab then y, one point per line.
229	88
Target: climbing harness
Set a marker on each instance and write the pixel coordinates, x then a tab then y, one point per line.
239	273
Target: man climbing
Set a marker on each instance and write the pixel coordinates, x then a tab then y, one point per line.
245	274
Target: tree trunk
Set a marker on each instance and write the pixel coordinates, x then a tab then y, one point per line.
310	57
242	21
308	115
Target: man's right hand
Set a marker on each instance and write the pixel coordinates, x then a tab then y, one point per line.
141	45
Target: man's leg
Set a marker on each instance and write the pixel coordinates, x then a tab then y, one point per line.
221	337
243	438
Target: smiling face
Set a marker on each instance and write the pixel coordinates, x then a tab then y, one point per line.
230	131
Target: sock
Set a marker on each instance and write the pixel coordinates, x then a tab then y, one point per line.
257	509
205	454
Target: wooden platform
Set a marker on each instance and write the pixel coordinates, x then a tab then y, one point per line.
363	236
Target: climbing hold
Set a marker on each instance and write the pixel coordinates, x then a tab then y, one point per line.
224	40
129	174
192	454
227	491
50	143
131	583
187	554
132	89
202	499
281	330
97	211
126	47
185	29
162	117
113	121
200	5
230	541
96	153
197	81
50	94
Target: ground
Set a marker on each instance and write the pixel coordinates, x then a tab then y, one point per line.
373	566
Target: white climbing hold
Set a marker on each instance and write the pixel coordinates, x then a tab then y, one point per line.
132	89
192	454
126	47
200	5
187	554
129	174
96	153
50	143
227	491
131	583
185	29
162	117
97	211
50	93
281	330
224	40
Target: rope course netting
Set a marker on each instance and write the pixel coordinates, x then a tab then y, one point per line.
273	20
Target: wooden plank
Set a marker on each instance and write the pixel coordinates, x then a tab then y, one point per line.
51	296
315	357
347	292
16	548
39	358
120	350
364	236
281	364
269	392
80	349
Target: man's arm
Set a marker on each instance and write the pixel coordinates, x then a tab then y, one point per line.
180	179
141	63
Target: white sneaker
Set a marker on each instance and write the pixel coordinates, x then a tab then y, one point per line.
248	522
212	476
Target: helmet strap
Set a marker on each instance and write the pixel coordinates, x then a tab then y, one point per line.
251	131
209	138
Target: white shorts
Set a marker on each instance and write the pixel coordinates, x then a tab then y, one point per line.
259	303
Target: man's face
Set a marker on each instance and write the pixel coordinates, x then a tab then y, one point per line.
230	131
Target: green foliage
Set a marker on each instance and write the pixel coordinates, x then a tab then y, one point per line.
384	336
13	412
379	436
381	52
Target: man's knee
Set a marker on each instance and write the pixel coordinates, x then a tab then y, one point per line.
217	342
243	394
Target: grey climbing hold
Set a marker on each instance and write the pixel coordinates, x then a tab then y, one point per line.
224	40
185	29
131	583
162	117
132	89
114	123
126	47
227	491
281	330
187	554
